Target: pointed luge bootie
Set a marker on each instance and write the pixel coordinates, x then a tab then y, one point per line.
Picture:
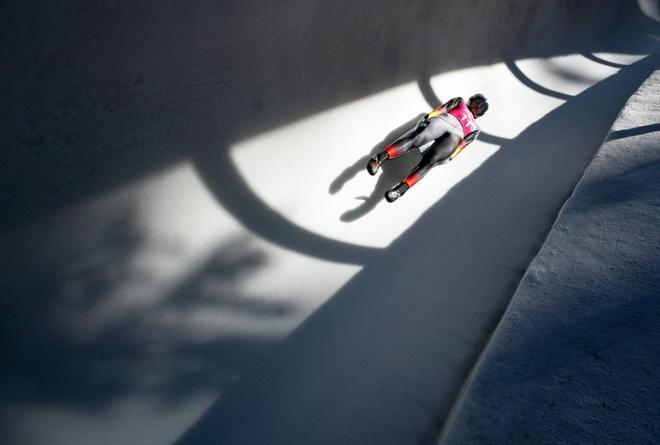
395	193
375	162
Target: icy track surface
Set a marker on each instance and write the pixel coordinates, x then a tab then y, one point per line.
575	357
192	252
392	347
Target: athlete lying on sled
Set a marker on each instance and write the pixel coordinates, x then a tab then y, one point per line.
452	126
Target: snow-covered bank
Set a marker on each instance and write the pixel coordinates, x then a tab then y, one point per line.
575	358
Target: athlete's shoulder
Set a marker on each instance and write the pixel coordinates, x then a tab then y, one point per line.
453	103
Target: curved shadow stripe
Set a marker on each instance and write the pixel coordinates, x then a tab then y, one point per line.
231	191
511	64
425	87
633	131
597	59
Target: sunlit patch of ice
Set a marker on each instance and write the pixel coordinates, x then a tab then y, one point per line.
291	168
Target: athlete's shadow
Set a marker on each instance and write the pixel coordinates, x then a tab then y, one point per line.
392	173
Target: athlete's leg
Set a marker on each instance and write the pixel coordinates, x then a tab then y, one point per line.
438	153
396	149
432	130
428	131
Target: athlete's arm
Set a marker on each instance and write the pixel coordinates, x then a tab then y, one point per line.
464	143
446	107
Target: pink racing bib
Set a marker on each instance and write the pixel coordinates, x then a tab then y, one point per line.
466	119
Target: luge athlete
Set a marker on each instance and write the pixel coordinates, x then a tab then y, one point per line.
452	126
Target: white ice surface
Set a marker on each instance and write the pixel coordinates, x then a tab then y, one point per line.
168	295
181	230
313	151
173	209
